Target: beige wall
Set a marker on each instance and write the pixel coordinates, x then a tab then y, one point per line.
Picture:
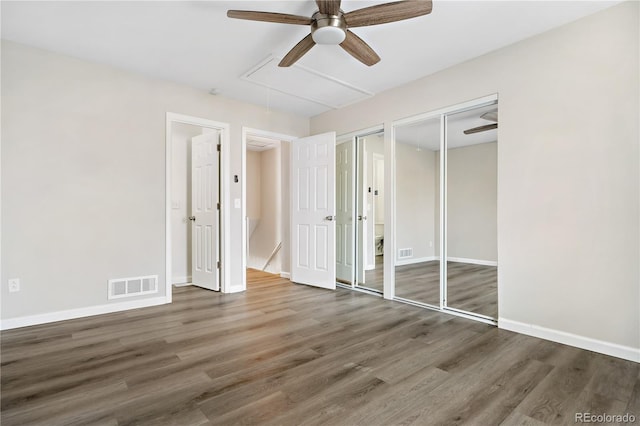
568	169
83	175
254	171
472	202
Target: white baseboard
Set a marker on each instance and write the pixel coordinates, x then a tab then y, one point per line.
473	261
183	284
181	280
286	275
412	260
8	324
601	346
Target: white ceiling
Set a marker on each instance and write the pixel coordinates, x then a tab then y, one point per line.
194	43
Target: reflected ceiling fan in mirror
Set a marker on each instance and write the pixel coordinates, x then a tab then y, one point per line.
330	25
489	116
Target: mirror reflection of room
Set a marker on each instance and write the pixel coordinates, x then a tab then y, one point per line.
360	212
345	210
472	201
417	256
370	215
471	211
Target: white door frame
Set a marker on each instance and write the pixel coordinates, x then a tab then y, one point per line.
225	223
246	131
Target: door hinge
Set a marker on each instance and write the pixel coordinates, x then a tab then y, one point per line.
218	147
218	264
218	206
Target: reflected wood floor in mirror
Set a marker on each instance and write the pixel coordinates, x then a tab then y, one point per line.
471	287
287	354
374	278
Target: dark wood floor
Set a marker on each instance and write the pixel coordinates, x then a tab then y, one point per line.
472	288
287	354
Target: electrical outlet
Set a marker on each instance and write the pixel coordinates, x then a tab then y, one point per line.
430	243
14	285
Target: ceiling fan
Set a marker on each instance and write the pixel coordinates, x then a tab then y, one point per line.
330	25
489	116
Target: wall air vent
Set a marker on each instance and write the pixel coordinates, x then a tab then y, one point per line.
134	286
405	253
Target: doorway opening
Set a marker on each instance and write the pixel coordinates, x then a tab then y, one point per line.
265	203
196	217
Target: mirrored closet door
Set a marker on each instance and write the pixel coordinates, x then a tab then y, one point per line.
360	212
446	210
417	256
471	211
345	211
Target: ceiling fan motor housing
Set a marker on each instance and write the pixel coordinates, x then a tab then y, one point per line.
328	29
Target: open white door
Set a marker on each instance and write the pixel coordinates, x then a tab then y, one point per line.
313	259
205	210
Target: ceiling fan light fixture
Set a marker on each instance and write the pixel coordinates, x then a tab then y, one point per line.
328	29
329	35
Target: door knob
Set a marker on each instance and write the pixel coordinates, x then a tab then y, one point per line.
360	217
329	218
192	218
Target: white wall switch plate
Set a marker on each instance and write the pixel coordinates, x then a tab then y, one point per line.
175	205
236	203
14	285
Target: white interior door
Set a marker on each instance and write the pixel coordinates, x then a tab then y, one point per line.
345	212
205	210
313	226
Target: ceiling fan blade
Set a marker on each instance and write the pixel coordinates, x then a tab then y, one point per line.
298	51
388	12
360	50
481	128
281	18
328	7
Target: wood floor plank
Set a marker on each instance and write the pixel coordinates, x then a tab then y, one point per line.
287	354
405	396
519	419
498	400
555	400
